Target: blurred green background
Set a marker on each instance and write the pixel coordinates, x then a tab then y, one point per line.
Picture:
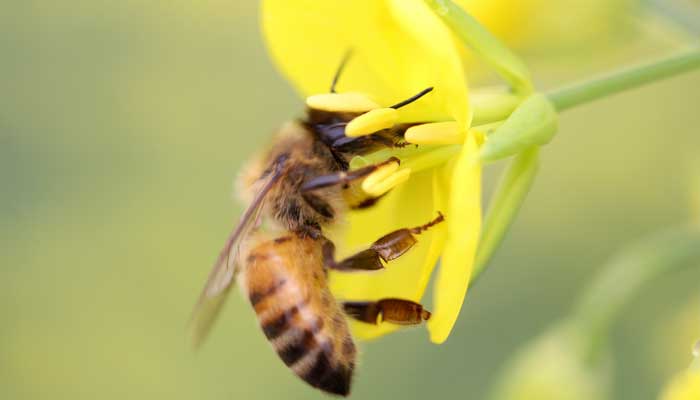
122	125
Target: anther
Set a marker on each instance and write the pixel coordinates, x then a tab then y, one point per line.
436	133
341	102
378	187
384	171
371	122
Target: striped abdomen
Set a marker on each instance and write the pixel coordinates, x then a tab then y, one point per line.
286	285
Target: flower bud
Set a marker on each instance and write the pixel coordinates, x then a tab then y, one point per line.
686	385
553	367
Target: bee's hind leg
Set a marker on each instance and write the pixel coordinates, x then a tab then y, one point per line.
396	311
389	247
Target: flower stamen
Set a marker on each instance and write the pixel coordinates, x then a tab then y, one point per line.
436	133
371	122
380	174
380	182
379	119
353	102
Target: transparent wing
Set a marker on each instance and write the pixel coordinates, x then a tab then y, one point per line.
223	273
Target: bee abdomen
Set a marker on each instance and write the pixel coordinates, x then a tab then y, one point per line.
308	349
286	286
321	370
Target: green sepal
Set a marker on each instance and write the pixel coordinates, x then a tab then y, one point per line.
489	106
533	123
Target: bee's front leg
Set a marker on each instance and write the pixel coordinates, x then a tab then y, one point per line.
343	178
389	247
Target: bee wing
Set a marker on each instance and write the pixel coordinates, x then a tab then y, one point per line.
225	268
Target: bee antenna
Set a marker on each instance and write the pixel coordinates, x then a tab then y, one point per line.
412	98
340	69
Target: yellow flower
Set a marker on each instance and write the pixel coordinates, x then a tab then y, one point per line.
398	48
686	385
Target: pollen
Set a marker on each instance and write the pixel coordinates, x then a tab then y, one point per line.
436	133
341	102
371	122
377	188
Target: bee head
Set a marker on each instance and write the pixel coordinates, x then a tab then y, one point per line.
362	115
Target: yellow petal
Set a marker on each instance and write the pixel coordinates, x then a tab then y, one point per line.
408	205
398	48
463	228
444	65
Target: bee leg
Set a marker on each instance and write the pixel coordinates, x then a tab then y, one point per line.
312	230
395	311
318	204
366	260
343	178
367	202
367	144
389	247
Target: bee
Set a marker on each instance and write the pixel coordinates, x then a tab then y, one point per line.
279	255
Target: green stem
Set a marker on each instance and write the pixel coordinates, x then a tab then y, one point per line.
629	273
596	88
509	196
500	217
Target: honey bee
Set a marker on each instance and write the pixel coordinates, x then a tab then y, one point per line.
279	255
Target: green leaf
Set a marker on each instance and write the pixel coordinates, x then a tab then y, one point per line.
505	204
482	42
533	123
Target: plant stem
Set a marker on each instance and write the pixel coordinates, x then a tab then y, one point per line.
512	190
630	78
569	97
